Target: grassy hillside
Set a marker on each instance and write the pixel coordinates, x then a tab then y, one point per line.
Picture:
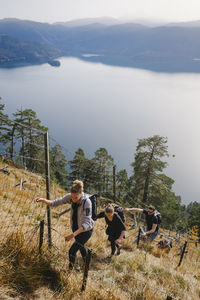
144	273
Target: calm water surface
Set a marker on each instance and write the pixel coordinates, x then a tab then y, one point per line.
90	105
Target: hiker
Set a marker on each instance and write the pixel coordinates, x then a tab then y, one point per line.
151	221
115	230
81	219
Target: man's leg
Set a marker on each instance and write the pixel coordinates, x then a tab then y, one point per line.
72	254
152	236
113	248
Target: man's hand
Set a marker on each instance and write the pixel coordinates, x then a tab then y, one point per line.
38	200
69	237
118	241
143	234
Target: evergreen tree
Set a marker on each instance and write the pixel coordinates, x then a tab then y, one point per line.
58	165
122	185
148	168
77	165
193	210
4	125
83	168
103	169
8	138
150	184
31	133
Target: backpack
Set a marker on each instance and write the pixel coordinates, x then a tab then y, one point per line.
158	216
93	199
120	211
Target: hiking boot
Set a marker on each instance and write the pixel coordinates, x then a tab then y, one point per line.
109	256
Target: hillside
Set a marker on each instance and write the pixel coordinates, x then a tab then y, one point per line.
25	273
169	48
15	52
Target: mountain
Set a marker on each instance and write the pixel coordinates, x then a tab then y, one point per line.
191	24
15	52
171	47
88	21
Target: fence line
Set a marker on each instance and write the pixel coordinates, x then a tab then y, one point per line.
24	199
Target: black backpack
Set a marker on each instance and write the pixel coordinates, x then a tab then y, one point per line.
158	216
93	199
120	211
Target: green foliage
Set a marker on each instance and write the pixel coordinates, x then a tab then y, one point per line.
78	165
4	123
29	132
96	173
193	209
148	168
122	185
104	169
58	165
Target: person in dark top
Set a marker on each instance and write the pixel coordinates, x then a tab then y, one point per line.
115	230
151	221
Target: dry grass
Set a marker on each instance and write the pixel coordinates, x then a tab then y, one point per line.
146	273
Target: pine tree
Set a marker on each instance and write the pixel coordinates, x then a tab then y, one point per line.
103	168
31	133
77	165
83	168
58	165
148	167
122	185
6	131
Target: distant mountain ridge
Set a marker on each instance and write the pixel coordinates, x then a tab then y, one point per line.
171	47
15	52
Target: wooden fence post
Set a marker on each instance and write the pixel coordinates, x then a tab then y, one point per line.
138	237
41	234
47	167
182	254
87	264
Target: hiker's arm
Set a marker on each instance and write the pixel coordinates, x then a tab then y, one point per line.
63	200
118	241
73	234
140	210
56	202
153	229
100	215
43	200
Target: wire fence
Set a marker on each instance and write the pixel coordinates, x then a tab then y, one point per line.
20	214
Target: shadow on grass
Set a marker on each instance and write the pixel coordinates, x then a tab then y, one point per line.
24	269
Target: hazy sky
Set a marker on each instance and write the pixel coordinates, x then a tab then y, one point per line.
63	10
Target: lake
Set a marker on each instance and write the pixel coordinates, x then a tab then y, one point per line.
91	105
